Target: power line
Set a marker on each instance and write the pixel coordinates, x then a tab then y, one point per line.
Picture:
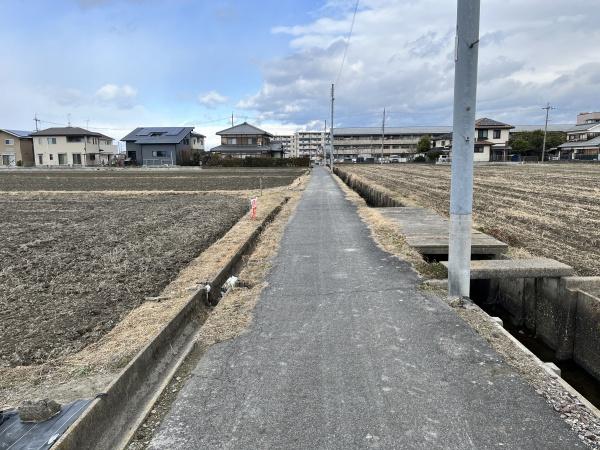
347	43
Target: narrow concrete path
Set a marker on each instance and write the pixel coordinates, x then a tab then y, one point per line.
346	352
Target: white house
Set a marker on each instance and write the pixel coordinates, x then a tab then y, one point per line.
491	140
71	147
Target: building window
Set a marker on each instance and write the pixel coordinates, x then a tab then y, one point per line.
497	134
92	157
5	160
74	139
51	157
40	159
232	141
62	159
482	134
51	140
39	140
76	158
186	142
478	149
251	141
160	154
9	142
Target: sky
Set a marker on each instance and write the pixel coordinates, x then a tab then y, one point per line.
113	65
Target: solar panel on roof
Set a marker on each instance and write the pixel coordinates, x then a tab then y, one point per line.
174	131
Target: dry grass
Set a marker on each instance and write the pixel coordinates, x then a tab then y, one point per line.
388	237
547	210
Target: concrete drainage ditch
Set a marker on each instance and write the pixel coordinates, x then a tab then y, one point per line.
551	312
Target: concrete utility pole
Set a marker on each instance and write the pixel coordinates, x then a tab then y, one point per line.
461	190
325	143
547	108
36	120
331	128
382	135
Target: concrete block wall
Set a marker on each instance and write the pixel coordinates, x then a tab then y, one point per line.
563	312
586	351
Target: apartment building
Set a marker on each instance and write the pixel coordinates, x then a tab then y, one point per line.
287	142
16	148
310	143
72	147
366	142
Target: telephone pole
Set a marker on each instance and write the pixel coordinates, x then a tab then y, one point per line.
382	135
547	108
325	143
461	186
232	119
331	147
36	120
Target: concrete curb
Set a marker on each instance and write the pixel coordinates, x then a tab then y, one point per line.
114	416
373	196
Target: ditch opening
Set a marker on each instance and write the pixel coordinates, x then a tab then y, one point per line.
434	257
571	372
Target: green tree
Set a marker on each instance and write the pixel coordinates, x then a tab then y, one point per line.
532	141
424	144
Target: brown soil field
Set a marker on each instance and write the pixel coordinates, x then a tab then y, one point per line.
550	210
72	266
146	180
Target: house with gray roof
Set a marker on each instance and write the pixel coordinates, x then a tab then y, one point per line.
163	146
16	148
583	141
72	147
246	140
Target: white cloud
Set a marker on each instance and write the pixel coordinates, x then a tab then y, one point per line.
121	96
401	56
211	99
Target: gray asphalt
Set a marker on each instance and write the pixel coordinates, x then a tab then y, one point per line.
345	352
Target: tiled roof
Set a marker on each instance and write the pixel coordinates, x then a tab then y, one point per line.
595	142
68	131
484	122
243	128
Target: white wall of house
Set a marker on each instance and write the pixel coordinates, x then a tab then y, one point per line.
61	151
484	156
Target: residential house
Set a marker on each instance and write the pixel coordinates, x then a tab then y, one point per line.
245	140
491	141
16	148
366	142
163	146
583	140
72	147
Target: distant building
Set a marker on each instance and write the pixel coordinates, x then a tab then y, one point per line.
72	147
583	140
588	117
163	146
491	140
366	141
245	140
16	148
287	143
310	143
